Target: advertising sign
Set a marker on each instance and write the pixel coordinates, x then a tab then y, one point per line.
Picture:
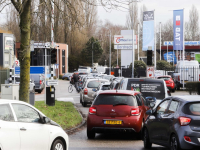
8	49
171	57
124	39
197	57
150	72
188	43
178	29
148	30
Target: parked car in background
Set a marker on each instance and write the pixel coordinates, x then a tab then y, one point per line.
24	127
86	94
39	81
117	111
17	81
148	87
101	87
67	76
169	82
108	77
174	123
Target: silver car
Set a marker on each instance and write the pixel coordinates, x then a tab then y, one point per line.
86	94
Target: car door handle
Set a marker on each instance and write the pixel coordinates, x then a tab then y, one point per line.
23	129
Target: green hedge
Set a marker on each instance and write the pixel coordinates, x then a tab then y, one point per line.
193	87
60	76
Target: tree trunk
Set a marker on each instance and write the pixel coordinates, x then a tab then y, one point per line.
25	22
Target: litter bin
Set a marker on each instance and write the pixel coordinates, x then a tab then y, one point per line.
32	98
50	96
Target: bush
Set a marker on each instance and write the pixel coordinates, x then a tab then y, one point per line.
193	87
138	65
162	64
60	76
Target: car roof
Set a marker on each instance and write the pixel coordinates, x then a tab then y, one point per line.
146	79
188	98
164	76
120	92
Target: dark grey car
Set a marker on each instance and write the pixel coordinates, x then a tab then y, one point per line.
174	123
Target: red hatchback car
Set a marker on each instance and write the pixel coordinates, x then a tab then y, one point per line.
117	111
169	82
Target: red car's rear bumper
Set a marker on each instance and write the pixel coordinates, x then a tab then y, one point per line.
129	124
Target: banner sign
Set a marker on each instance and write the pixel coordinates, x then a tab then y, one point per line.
124	39
171	57
188	43
148	30
178	29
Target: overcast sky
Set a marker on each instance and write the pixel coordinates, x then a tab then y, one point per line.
162	10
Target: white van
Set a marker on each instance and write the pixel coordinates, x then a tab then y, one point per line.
186	71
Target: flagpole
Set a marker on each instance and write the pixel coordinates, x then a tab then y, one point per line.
155	41
183	49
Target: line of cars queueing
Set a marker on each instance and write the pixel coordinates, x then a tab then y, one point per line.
143	107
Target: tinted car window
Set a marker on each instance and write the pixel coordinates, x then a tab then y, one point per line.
162	108
105	87
103	99
192	109
6	113
173	106
164	78
25	113
139	101
94	84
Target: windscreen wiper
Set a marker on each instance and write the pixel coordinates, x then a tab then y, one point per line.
120	104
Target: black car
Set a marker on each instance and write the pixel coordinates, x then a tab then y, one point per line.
174	123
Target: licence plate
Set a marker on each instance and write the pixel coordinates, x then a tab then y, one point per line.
112	122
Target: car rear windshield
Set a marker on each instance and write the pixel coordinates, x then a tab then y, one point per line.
104	99
94	84
192	109
164	78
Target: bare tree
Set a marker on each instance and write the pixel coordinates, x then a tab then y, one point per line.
194	23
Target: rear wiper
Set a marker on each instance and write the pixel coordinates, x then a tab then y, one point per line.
120	104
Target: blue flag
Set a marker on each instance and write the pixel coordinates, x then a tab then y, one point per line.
178	29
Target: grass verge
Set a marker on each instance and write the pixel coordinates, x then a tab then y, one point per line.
63	113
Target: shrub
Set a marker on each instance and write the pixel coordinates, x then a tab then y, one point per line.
162	64
138	64
60	76
193	87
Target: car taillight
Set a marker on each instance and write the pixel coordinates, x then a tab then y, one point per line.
85	91
92	110
40	81
178	78
184	121
187	138
199	77
135	111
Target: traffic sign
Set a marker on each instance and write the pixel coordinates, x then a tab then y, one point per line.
33	70
52	82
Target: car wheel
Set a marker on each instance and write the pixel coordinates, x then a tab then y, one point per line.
174	144
173	90
84	104
58	145
39	91
147	143
90	134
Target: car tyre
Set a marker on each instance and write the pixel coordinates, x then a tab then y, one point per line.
39	91
146	140
84	104
90	134
58	145
174	143
173	90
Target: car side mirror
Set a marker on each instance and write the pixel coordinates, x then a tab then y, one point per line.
46	120
149	112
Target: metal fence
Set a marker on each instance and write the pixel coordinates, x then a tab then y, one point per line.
4	75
